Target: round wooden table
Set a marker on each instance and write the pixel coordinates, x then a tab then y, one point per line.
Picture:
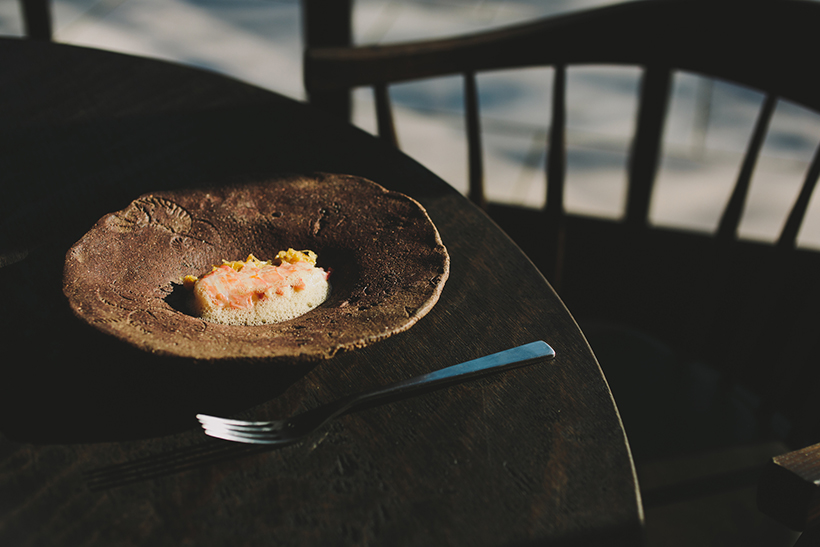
99	442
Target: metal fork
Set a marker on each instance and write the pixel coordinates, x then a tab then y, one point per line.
280	432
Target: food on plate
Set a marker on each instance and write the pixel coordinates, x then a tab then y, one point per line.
256	292
124	276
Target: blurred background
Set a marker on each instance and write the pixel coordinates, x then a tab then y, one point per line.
260	42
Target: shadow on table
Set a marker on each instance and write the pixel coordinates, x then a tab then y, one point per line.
74	384
94	389
162	464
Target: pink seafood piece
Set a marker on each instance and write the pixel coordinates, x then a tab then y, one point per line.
229	288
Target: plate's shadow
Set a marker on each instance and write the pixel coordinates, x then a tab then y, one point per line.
91	387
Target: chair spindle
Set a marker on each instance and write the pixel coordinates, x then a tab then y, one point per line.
476	167
788	237
384	115
729	222
556	175
656	85
556	147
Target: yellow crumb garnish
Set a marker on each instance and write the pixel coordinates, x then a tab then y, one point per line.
238	264
292	256
189	281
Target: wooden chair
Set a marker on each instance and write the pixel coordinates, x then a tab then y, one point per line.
748	310
36	19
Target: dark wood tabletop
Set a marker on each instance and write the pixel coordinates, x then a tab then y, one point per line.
98	441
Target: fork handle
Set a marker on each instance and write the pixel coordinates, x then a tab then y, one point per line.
496	362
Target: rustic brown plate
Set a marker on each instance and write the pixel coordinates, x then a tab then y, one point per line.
387	260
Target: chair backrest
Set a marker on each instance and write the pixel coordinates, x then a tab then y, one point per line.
36	19
748	308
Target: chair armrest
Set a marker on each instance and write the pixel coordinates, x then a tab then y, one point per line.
789	488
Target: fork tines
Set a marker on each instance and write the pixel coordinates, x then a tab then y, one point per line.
241	431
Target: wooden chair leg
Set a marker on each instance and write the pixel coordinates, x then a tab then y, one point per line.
329	23
37	19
